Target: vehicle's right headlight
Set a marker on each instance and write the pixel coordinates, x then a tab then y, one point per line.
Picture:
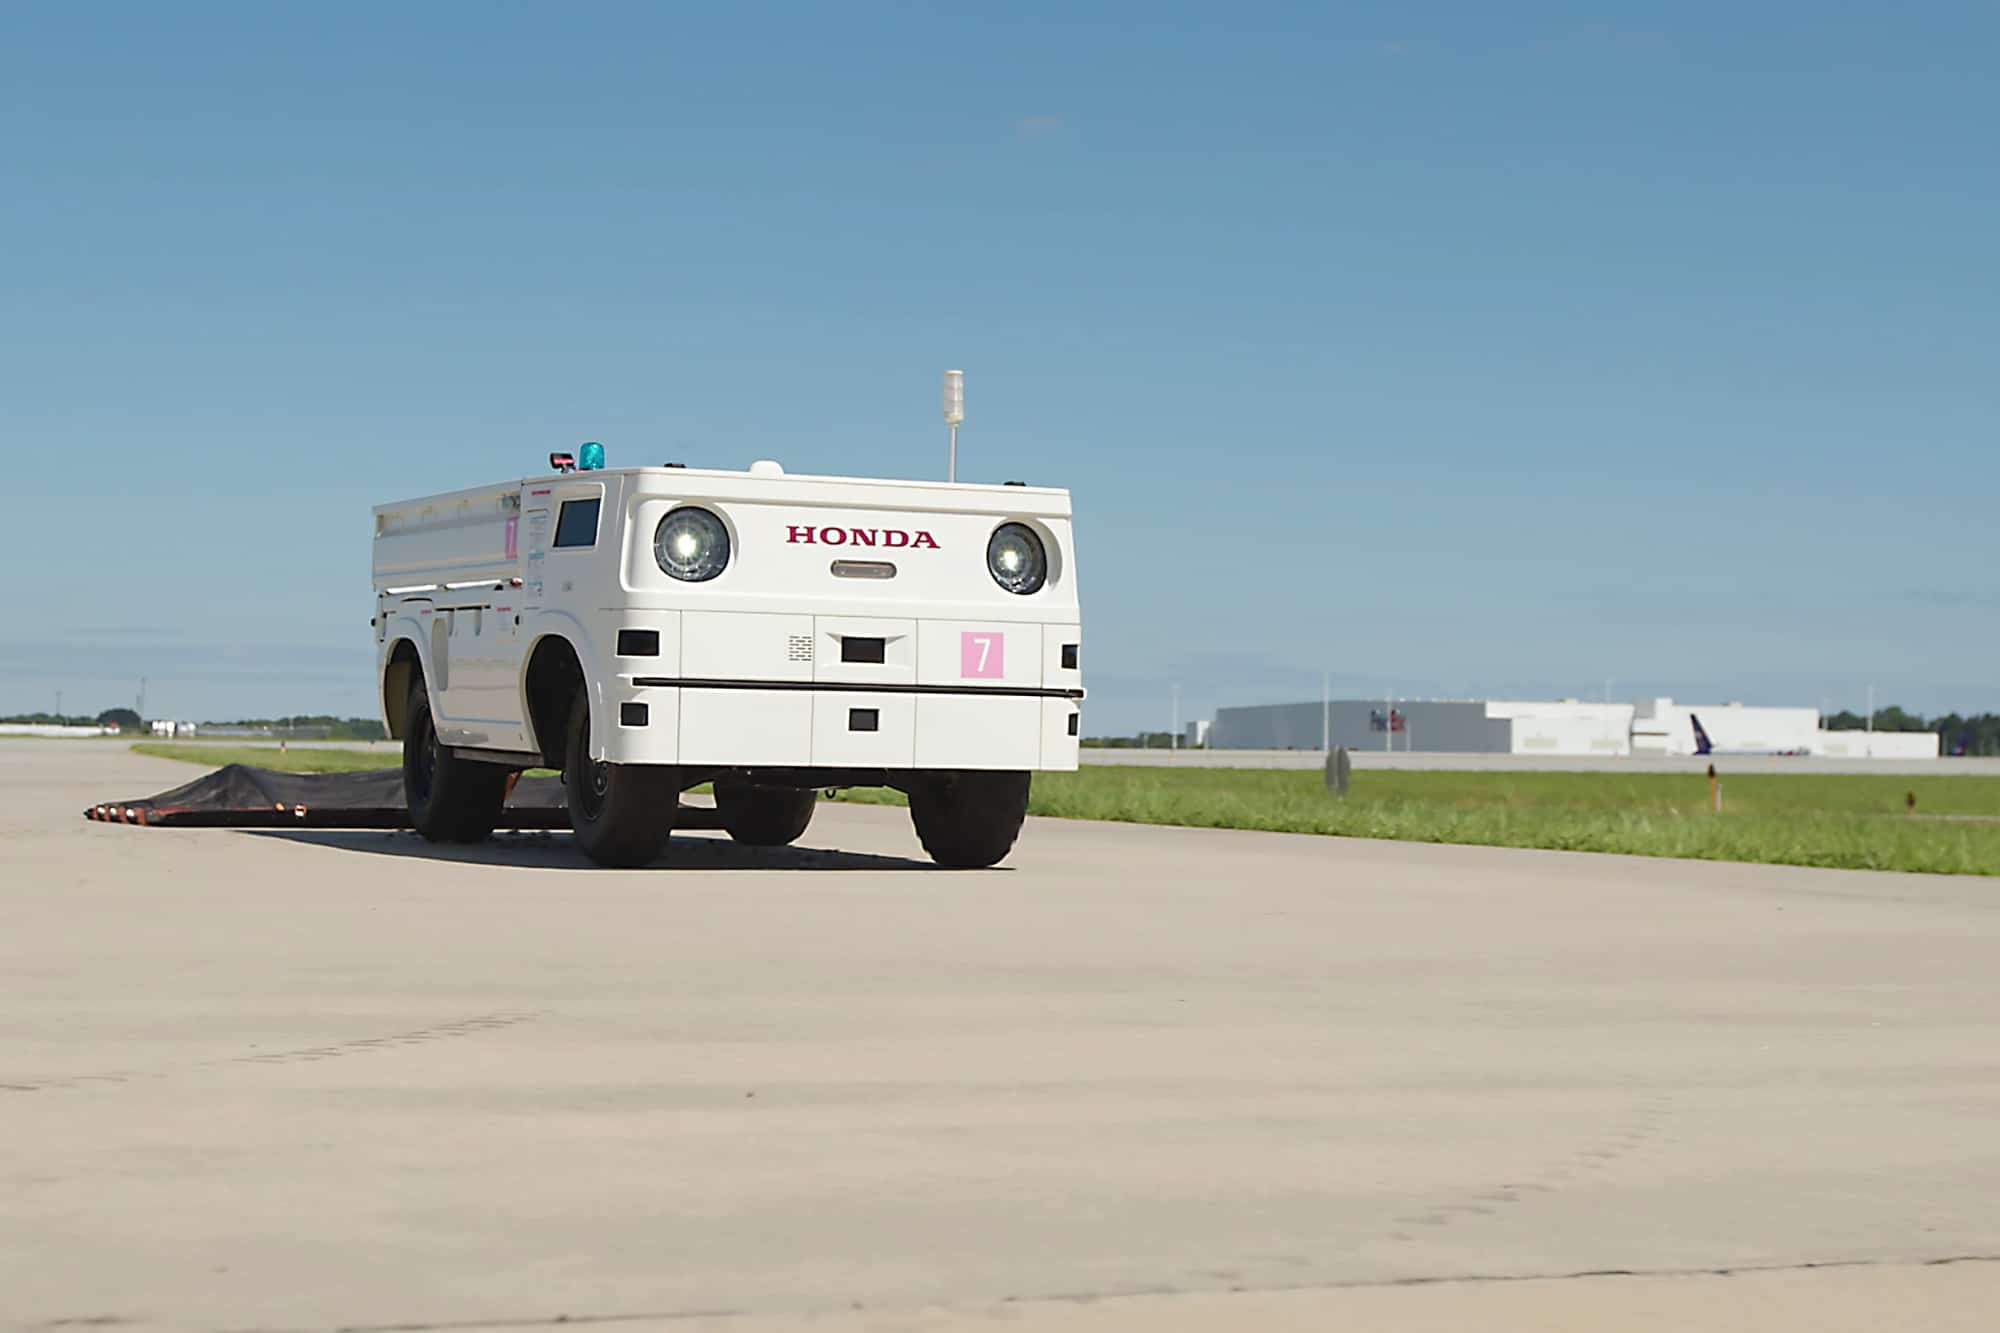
1015	558
692	545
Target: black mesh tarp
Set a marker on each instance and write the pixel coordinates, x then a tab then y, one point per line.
239	796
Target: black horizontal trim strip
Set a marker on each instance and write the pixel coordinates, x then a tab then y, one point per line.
855	687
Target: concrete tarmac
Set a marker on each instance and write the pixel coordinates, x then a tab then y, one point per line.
1137	1078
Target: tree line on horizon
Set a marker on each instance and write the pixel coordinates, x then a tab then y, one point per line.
1973	733
322	726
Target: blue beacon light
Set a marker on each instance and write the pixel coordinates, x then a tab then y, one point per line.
590	458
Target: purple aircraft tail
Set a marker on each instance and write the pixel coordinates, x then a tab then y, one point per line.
1702	745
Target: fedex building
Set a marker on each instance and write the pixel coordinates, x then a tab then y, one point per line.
1569	727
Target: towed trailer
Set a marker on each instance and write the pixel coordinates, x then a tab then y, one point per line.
645	630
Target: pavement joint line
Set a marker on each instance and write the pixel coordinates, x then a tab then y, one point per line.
527	1321
465	1027
1128	1294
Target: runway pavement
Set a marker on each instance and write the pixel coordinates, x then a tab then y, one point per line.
1135	1079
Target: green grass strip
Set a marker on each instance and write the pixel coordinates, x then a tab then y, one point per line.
1846	821
1855	822
294	759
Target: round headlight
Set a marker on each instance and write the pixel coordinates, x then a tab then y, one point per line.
1015	558
692	545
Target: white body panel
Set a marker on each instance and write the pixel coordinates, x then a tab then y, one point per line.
777	661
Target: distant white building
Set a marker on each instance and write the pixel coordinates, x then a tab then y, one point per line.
1455	726
1661	726
1196	735
1879	745
1563	727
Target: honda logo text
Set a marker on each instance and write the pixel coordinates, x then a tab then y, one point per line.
893	538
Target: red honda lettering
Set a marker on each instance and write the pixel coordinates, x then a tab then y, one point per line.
924	539
833	536
806	539
895	537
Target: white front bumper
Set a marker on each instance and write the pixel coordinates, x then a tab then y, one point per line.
735	689
846	728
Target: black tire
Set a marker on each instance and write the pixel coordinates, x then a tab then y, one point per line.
450	799
763	816
969	820
622	813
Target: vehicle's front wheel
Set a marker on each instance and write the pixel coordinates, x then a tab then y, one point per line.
763	816
968	820
450	799
622	813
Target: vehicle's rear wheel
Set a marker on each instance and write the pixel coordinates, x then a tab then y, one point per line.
622	813
968	820
763	816
450	799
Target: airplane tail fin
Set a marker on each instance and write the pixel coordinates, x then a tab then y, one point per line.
1702	745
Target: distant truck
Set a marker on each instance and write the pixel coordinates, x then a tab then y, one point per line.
649	629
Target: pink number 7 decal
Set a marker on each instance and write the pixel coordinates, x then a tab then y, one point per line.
982	655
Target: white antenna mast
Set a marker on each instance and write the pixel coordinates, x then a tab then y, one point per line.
954	413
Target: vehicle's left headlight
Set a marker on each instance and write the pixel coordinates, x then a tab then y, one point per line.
692	545
1015	558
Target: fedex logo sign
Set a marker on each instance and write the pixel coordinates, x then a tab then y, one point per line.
800	534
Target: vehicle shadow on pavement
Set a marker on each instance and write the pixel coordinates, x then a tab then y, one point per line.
557	851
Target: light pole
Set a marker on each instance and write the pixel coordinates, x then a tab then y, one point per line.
954	413
1174	736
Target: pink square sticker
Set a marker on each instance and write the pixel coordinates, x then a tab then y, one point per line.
982	655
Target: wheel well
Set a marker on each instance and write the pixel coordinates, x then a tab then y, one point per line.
403	671
553	675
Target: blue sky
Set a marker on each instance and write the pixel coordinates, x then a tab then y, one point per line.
1448	350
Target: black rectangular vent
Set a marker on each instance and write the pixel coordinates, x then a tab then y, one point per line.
1069	657
631	715
1074	719
864	719
875	651
638	643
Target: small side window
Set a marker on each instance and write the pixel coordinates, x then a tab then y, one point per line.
577	526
